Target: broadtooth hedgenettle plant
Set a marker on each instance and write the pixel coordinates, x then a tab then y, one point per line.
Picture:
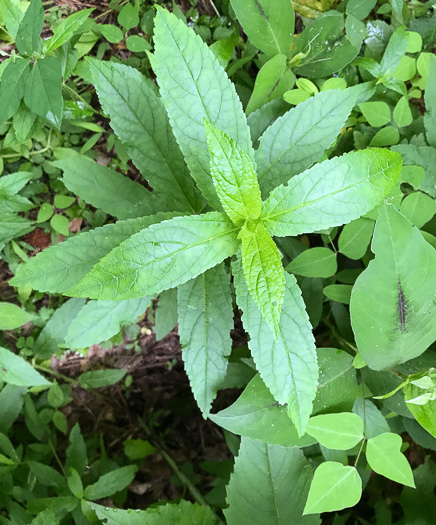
241	199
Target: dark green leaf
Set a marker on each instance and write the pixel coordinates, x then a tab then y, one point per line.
30	28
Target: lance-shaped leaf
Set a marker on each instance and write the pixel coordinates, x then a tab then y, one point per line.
205	319
66	29
139	120
12	87
30	28
392	303
288	365
194	86
263	271
234	176
161	257
62	266
332	193
299	138
276	478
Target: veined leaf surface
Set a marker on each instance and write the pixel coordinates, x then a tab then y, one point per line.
161	257
288	364
234	176
299	138
139	119
205	319
194	86
331	193
392	303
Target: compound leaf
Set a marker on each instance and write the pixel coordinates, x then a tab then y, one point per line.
331	193
161	256
205	319
194	86
392	303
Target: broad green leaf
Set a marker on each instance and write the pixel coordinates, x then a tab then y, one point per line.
139	120
355	238
334	487
12	87
336	431
402	113
98	321
337	381
234	176
360	8
160	257
138	448
105	188
393	299
43	93
269	24
256	415
66	29
12	316
112	33
182	513
406	70
419	208
299	138
315	262
323	48
373	420
376	113
16	371
205	320
11	226
276	478
166	313
11	16
287	365
194	86
395	50
387	136
62	266
30	28
424	156
101	378
76	455
128	16
47	475
384	457
430	104
110	483
424	414
11	405
338	292
356	31
272	81
331	193
263	271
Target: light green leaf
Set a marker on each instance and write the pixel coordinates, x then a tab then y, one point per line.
355	238
43	93
113	34
419	208
315	262
60	224
338	292
256	415
194	86
30	28
160	257
234	176
275	477
334	487
11	226
406	69
430	104
98	321
395	50
12	316
392	303
360	8
110	483
139	120
16	371
384	457
11	15
263	272
105	188
287	365
62	266
182	513
424	156
269	24
66	29
12	87
137	44
101	378
387	136
331	193
128	16
166	313
376	113
323	47
336	431
402	113
299	138
205	320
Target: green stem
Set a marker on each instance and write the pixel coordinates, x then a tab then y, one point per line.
54	374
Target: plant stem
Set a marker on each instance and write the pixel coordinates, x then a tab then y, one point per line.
54	373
